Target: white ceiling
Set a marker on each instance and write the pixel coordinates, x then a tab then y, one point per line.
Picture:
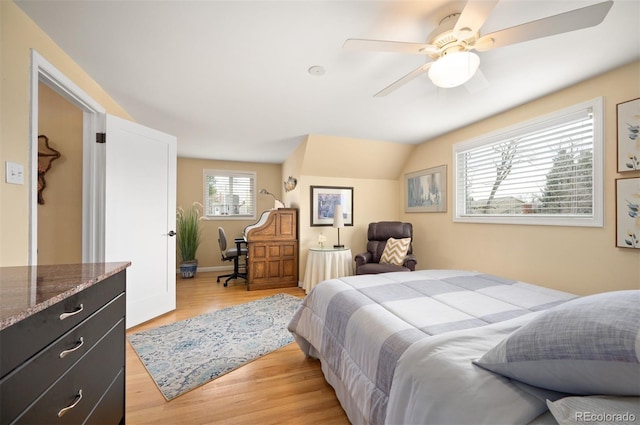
230	78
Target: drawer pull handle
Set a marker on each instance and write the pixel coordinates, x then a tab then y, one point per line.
72	405
73	313
79	344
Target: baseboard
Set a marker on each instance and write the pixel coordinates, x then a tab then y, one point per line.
210	269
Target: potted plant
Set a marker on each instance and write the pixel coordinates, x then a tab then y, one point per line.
189	235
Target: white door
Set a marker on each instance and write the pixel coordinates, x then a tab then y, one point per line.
140	212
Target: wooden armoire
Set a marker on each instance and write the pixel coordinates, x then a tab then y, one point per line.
272	260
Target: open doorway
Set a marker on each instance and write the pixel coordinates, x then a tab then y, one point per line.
128	195
88	116
60	179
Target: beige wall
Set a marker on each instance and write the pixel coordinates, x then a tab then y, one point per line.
580	260
60	217
575	259
371	167
373	200
190	190
18	35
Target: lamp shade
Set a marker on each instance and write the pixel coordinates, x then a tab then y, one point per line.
338	218
454	69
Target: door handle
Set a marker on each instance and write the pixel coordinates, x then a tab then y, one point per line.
171	233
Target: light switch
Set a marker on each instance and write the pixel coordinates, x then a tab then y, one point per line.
14	173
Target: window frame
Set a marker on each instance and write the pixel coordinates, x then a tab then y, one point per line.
525	127
229	173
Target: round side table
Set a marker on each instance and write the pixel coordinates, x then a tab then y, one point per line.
326	263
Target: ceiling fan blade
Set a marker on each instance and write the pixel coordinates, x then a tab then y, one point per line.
404	80
474	14
389	46
564	22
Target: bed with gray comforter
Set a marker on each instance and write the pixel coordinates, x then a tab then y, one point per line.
398	348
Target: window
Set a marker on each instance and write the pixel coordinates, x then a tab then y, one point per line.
545	171
229	194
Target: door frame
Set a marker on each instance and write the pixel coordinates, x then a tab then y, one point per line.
93	121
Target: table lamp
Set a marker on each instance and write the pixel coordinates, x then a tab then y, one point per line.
338	222
277	202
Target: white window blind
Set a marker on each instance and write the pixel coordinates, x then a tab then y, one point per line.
229	194
545	171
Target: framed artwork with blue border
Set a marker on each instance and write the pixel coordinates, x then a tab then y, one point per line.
324	200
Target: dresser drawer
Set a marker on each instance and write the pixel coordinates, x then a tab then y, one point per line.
32	334
30	379
91	376
111	408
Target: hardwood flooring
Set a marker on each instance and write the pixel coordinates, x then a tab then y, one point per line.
283	387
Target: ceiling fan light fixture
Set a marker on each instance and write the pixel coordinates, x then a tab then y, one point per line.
454	69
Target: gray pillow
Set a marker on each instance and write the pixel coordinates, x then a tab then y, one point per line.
596	410
589	345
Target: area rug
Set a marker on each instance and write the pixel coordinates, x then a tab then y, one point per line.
187	354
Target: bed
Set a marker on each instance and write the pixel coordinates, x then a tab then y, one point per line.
428	347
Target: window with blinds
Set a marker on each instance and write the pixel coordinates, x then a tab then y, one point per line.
545	171
229	194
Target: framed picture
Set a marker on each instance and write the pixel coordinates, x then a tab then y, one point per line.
628	212
426	190
628	119
324	200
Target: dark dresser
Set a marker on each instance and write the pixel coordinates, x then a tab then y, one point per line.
62	344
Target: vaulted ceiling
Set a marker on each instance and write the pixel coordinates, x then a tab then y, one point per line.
232	80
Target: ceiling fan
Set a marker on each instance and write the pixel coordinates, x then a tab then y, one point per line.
450	45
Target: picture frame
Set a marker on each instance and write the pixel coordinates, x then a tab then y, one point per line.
628	135
426	190
628	212
323	201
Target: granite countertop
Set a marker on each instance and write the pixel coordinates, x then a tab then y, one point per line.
27	290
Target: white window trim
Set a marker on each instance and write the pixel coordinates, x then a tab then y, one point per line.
230	173
597	220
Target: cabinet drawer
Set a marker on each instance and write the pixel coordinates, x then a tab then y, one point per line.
32	334
92	374
110	410
28	381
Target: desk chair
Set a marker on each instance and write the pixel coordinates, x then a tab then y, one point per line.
231	254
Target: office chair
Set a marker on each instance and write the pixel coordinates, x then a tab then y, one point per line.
231	254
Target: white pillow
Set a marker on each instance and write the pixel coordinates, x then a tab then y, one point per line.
586	346
395	250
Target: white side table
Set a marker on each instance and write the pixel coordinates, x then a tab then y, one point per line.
326	263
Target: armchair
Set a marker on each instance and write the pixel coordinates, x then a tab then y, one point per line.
378	233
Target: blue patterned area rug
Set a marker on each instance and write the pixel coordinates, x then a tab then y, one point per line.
184	355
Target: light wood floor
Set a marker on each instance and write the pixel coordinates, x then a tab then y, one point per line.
283	387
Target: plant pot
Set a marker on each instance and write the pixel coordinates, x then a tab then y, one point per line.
188	269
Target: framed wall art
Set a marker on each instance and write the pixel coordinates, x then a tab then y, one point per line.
628	212
324	200
628	122
426	190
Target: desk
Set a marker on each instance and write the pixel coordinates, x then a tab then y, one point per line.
326	263
241	248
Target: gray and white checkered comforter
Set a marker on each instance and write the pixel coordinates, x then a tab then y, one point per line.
360	326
